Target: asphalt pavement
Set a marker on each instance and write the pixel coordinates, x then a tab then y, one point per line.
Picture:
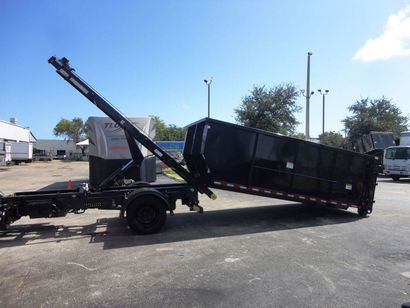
243	251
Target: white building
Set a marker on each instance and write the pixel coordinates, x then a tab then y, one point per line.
58	148
16	142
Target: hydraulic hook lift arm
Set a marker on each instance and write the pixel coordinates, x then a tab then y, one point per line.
64	70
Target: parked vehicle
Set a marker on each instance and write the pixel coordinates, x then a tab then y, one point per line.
405	138
396	162
218	154
21	152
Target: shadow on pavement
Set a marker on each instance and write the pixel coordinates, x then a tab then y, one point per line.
183	226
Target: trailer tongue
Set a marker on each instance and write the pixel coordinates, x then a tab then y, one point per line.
218	154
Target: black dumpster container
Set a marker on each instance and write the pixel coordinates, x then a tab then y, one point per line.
375	142
238	158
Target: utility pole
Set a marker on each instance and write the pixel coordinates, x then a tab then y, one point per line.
307	94
323	112
208	83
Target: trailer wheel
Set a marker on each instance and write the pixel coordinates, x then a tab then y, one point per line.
146	214
362	211
395	177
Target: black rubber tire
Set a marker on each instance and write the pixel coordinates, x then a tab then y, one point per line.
146	214
395	177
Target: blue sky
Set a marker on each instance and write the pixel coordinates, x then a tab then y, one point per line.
150	57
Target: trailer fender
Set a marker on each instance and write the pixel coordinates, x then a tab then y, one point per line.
145	191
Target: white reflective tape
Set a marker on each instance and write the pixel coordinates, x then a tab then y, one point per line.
290	195
302	197
267	191
323	201
312	199
255	189
230	185
79	86
158	152
63	72
349	186
279	193
243	187
344	204
217	183
333	202
289	165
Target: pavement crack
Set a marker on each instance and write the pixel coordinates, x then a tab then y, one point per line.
83	266
330	283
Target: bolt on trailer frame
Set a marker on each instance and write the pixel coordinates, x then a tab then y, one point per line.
145	204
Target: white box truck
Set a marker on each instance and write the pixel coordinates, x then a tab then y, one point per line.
21	152
396	161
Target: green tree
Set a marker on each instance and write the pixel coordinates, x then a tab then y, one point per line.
332	138
75	129
270	109
299	136
374	115
164	132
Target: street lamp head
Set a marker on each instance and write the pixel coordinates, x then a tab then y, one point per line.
311	93
309	53
320	91
209	80
327	91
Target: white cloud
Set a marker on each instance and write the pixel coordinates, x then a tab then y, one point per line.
393	42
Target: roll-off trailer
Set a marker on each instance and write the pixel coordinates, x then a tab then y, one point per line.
218	155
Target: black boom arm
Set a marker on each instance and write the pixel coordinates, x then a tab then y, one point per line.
64	70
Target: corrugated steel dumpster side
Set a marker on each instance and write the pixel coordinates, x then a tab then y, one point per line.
242	159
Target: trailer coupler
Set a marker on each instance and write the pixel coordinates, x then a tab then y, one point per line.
3	223
7	216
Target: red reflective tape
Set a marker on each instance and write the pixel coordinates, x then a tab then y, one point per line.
299	197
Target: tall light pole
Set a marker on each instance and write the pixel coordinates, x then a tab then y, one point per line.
324	93
208	83
307	94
